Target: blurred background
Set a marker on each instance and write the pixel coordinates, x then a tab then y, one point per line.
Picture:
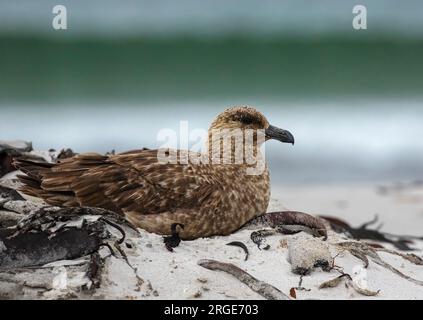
125	69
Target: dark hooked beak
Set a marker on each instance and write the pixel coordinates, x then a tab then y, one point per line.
273	132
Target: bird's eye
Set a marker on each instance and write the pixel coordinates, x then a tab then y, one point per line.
244	119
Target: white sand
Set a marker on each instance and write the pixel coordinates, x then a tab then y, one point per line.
177	276
166	275
399	209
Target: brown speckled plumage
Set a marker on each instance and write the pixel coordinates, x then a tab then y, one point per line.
208	199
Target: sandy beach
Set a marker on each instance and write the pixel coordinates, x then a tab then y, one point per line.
152	272
96	87
399	206
177	275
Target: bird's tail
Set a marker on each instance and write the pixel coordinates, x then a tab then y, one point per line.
31	180
32	183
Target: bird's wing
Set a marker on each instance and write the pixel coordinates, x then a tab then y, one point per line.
131	182
147	186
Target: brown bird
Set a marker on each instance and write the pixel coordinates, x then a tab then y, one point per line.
206	198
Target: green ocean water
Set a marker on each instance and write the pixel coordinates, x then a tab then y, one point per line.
354	104
56	70
124	70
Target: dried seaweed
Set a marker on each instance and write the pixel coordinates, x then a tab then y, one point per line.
291	218
9	150
365	250
285	222
363	232
65	153
258	237
362	291
242	246
94	270
332	283
262	288
47	234
37	247
300	285
409	256
7	194
360	255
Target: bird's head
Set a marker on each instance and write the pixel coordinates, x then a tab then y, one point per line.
244	118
